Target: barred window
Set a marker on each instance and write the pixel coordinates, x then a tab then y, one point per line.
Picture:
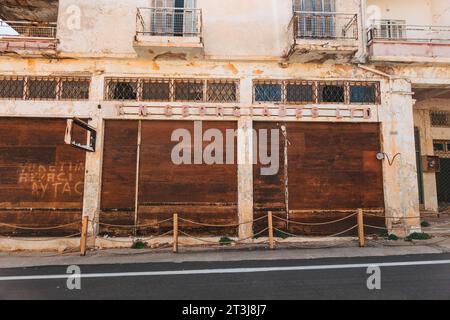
222	91
75	89
181	90
156	90
268	92
332	93
440	119
44	88
122	89
304	92
364	93
12	88
300	92
439	146
189	90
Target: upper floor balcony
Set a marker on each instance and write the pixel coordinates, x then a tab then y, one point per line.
169	30
26	38
396	41
319	36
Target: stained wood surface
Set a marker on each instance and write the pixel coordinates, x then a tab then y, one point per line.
38	171
200	192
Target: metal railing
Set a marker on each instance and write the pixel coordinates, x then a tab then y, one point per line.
24	29
398	30
173	22
325	25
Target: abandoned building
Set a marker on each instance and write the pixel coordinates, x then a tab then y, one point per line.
359	89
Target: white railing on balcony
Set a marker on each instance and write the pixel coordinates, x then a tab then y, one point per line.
398	30
325	25
178	22
25	29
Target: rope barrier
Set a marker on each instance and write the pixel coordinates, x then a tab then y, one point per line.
315	224
38	228
330	236
47	239
375	227
389	217
135	226
222	225
136	238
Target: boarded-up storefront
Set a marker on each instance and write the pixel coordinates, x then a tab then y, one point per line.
203	192
331	170
41	178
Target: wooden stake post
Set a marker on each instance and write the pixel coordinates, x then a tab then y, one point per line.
270	223
362	241
83	240
175	233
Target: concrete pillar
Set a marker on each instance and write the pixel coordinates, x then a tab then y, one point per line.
245	176
399	177
93	178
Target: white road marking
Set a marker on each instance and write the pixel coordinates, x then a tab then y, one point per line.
226	271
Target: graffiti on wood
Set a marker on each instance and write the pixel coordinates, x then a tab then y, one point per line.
52	181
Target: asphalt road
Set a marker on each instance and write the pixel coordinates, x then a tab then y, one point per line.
405	277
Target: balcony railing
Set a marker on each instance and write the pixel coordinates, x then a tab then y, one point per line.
398	30
325	25
23	29
169	22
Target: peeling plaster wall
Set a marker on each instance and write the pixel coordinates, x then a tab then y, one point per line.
250	29
417	12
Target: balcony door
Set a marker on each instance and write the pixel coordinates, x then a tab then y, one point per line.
314	19
173	17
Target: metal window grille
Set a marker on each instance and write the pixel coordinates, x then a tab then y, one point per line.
44	88
156	90
189	90
12	88
364	92
440	118
300	92
303	92
268	91
75	89
167	90
332	92
222	91
122	89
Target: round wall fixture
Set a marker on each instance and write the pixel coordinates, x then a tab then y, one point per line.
380	156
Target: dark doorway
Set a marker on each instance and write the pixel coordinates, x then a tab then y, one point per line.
443	183
419	165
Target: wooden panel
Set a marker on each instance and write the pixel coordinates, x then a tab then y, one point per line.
269	191
201	192
332	167
38	171
119	173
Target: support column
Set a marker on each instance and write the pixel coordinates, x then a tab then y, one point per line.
93	170
245	176
399	176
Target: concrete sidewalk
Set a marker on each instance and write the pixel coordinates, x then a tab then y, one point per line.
285	251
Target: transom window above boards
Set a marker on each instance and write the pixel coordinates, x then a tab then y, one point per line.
307	92
44	88
172	90
440	119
